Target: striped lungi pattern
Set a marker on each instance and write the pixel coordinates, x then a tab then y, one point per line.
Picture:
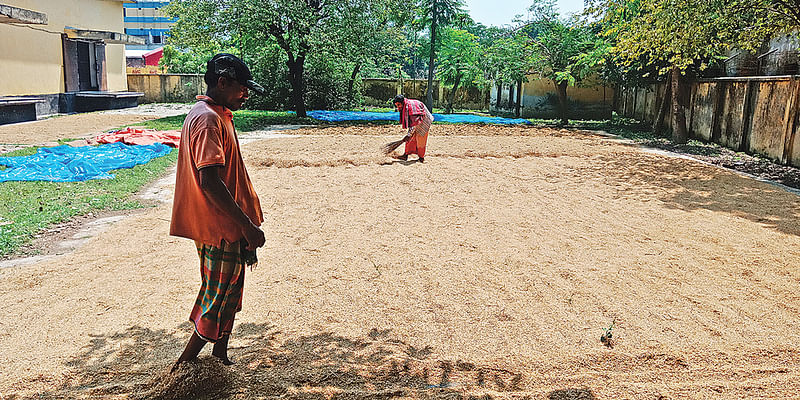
421	129
419	136
220	297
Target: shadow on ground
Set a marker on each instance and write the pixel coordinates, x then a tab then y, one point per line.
135	364
688	185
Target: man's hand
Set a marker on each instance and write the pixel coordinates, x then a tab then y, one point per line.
254	237
220	196
407	138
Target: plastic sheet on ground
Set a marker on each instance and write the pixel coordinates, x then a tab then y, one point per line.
337	116
72	164
141	136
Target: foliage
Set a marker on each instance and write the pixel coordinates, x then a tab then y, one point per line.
438	14
370	36
680	33
316	50
459	54
563	51
785	13
560	50
680	37
507	59
459	61
296	48
179	61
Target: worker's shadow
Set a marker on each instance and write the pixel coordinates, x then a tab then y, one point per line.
404	162
135	364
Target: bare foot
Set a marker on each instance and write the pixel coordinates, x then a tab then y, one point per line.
225	360
178	363
175	366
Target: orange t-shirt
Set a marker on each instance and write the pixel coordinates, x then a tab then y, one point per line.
208	138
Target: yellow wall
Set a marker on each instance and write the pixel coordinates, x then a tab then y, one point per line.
590	91
32	61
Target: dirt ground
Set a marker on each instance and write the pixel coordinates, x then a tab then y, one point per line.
80	126
491	270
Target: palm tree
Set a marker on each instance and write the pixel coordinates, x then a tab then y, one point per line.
438	13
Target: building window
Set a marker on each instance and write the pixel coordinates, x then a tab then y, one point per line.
157	39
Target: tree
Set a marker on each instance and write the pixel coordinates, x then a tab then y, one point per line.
369	34
179	61
327	33
681	36
437	13
556	48
292	23
459	61
244	24
788	10
506	60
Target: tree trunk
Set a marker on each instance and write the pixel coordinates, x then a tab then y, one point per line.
414	60
563	111
511	97
353	80
519	99
296	79
453	94
429	97
679	133
658	124
499	94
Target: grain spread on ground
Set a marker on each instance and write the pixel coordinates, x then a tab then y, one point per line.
491	269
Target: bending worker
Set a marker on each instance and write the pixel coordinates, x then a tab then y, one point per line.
415	117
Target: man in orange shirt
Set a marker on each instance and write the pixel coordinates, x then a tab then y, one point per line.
215	204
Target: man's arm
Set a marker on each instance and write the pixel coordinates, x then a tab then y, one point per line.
221	197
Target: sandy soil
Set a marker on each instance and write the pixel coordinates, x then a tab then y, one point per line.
75	126
439	130
158	110
80	126
490	270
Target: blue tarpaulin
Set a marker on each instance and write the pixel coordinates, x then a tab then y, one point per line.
72	164
337	116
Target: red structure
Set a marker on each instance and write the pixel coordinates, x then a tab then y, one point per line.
153	57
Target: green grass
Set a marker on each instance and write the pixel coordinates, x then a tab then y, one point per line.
26	151
375	109
27	208
244	120
65	141
164	124
624	127
251	120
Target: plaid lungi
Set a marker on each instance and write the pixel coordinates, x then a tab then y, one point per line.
220	297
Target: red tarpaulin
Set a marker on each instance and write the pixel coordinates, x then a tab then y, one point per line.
141	136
